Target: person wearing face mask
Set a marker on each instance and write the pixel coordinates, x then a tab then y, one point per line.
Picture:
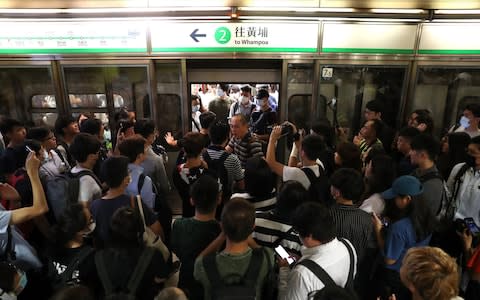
244	105
469	121
221	104
12	281
263	119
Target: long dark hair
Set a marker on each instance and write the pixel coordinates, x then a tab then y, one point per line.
383	174
420	215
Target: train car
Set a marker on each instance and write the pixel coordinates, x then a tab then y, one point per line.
72	57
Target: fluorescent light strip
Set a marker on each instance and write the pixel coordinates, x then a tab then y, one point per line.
396	11
458	11
298	9
31	11
111	10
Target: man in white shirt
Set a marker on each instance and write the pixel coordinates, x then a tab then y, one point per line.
317	233
85	150
466	190
470	120
308	151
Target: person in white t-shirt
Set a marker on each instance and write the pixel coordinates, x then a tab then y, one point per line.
308	151
469	121
85	150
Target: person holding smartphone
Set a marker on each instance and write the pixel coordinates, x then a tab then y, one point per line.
472	254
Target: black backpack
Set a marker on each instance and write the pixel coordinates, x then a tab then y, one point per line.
241	288
66	278
163	209
128	292
217	168
327	280
445	203
319	189
63	190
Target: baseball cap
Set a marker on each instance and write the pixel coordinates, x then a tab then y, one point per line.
402	186
262	94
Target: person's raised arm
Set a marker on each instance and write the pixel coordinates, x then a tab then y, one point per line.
39	206
272	162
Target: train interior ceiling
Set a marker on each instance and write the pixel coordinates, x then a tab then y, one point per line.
409	54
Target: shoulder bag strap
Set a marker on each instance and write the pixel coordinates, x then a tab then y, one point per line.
76	261
213	275
352	263
102	273
318	271
140	209
142	265
60	155
141	181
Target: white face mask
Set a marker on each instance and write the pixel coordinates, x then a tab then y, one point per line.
220	93
245	100
195	108
464	122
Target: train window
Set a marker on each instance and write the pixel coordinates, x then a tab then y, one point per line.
169	106
299	93
351	87
44	101
26	92
103	90
445	92
44	119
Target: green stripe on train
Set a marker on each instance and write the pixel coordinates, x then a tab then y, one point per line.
368	50
233	49
70	50
451	52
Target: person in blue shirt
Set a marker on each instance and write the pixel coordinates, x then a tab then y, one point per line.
410	225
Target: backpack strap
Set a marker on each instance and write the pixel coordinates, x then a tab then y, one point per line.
9	254
102	273
318	271
213	275
76	261
349	283
254	266
87	172
140	269
311	175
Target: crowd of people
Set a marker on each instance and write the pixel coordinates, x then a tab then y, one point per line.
384	214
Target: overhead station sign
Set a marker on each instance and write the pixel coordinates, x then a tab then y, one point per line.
72	37
369	38
450	39
234	37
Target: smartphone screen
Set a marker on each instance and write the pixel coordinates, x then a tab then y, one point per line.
284	254
472	226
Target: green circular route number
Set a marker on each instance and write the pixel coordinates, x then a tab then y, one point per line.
223	35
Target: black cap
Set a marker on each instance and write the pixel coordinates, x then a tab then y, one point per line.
262	94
